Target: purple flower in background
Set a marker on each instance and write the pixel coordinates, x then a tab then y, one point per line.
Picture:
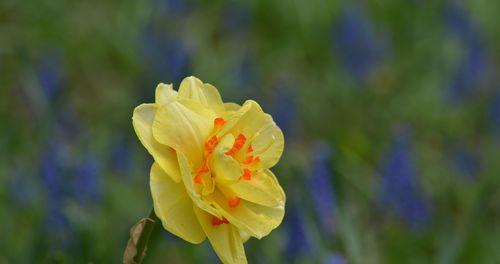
334	259
472	68
176	7
121	156
469	74
236	19
166	55
55	170
322	191
246	73
53	180
50	74
298	242
457	20
359	46
495	114
466	162
400	191
244	77
51	173
283	107
87	179
55	161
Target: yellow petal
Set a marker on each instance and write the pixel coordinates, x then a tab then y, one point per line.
233	118
164	94
187	179
173	207
185	127
262	133
268	143
231	106
206	94
224	167
207	184
213	97
255	219
262	189
225	239
142	121
251	119
244	236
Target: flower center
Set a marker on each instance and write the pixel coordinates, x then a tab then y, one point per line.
233	202
217	221
247	175
204	178
239	142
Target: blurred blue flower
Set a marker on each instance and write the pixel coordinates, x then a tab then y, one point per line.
54	156
175	7
58	232
400	191
495	113
121	156
283	107
55	220
50	74
473	66
166	55
466	162
359	46
53	181
458	21
51	173
246	73
298	241
87	179
334	259
321	186
66	128
470	73
236	19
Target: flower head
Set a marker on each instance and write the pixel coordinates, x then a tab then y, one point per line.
211	174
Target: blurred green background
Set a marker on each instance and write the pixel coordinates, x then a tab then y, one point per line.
391	112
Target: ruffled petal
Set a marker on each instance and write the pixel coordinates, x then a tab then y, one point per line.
225	167
173	207
142	121
213	97
244	236
255	219
164	94
262	188
251	119
225	239
232	106
268	144
262	133
233	118
187	179
192	88
185	127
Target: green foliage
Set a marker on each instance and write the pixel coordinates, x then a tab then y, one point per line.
109	56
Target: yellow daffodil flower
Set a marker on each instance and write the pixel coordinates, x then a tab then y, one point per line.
211	174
